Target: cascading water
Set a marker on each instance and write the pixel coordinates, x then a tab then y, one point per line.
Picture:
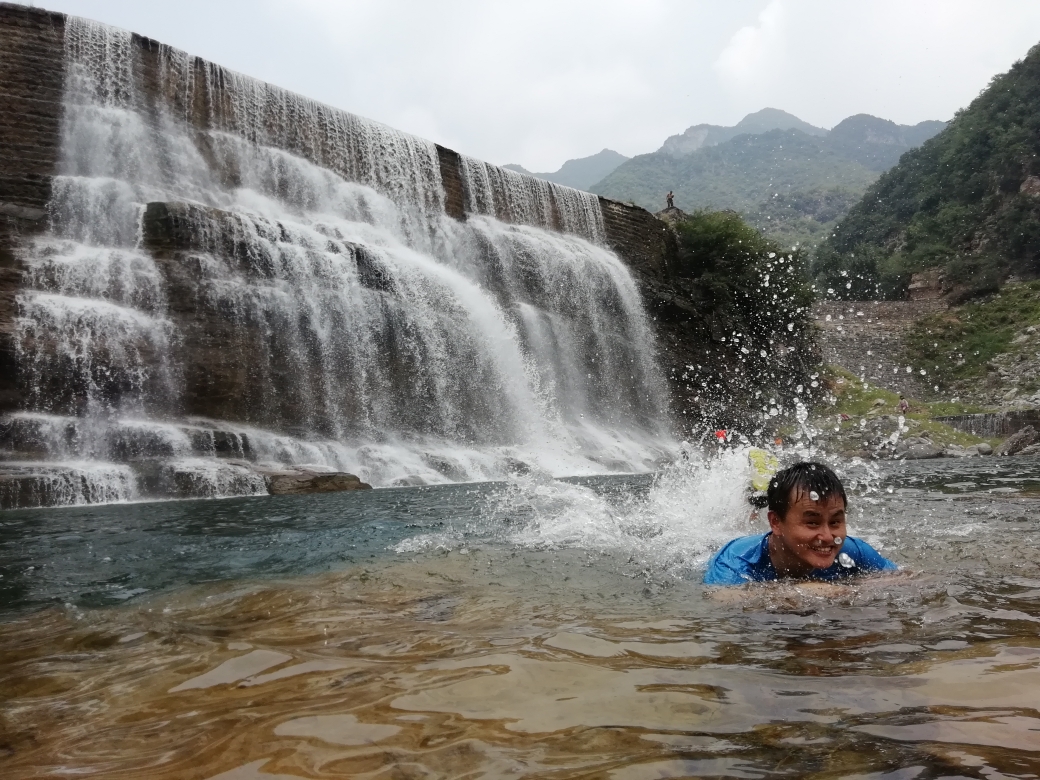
367	331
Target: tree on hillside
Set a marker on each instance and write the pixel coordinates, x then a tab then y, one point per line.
966	202
756	322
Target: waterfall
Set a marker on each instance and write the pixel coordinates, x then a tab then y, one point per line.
515	197
238	279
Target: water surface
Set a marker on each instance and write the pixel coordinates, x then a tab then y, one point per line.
534	628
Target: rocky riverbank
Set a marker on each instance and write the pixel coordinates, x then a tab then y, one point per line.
971	370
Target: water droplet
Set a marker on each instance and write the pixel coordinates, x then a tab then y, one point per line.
814	495
846	561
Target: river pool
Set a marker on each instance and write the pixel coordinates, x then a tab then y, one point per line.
535	628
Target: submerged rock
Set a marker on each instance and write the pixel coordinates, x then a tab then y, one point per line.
412	480
917	448
300	482
922	452
1019	441
516	467
975	450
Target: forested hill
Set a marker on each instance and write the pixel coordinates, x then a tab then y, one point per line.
966	203
791	184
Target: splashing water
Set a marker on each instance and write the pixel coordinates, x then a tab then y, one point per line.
314	259
692	507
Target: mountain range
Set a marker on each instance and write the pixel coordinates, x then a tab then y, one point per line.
581	173
965	205
788	178
699	136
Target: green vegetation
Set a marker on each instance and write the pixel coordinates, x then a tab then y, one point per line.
958	345
751	312
858	400
746	175
791	185
966	202
750	280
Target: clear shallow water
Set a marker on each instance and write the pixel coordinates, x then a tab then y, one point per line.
532	628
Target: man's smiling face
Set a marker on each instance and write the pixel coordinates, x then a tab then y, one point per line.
810	534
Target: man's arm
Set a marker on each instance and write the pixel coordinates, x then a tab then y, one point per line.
721	573
868	559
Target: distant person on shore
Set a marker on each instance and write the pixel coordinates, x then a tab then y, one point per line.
904	405
670	199
806	540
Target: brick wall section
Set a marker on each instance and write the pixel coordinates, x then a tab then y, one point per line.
996	424
31	80
451	178
643	240
869	334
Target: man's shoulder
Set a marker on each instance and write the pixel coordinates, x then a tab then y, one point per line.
746	547
865	555
736	562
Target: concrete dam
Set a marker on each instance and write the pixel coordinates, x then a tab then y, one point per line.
206	280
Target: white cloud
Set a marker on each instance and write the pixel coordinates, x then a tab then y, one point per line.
755	53
541	81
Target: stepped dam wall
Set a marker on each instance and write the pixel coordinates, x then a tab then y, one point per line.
206	280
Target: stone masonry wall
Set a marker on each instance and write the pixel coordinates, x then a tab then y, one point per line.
31	81
866	338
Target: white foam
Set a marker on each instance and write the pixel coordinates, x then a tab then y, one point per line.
419	347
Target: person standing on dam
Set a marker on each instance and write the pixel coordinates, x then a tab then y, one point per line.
806	538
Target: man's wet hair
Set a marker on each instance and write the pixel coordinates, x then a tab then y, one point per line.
807	477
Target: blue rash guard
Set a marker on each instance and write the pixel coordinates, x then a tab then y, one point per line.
747	560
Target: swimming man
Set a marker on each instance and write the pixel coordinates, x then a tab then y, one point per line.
806	540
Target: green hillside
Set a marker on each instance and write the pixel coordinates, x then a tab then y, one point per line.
967	202
790	185
700	136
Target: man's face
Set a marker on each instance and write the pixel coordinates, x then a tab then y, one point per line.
812	532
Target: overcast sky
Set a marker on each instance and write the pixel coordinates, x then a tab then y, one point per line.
537	82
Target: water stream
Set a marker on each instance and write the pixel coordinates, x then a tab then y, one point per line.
535	627
320	309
